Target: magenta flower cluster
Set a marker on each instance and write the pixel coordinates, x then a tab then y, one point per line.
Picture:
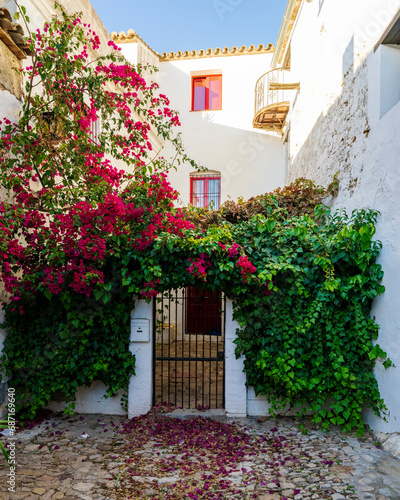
246	267
198	267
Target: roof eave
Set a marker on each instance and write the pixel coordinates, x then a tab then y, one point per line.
289	18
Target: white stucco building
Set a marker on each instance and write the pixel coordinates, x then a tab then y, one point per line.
324	102
343	117
213	92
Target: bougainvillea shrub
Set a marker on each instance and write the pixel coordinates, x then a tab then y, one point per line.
71	222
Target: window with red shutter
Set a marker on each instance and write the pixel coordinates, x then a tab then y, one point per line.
206	92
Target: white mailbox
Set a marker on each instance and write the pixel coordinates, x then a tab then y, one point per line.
140	330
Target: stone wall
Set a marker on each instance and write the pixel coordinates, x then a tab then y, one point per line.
346	120
10	79
337	141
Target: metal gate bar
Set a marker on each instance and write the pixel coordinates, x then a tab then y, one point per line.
189	348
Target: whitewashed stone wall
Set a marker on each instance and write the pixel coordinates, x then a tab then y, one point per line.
346	119
336	142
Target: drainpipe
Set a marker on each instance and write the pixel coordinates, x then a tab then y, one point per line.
282	33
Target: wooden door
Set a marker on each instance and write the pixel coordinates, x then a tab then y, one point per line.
203	311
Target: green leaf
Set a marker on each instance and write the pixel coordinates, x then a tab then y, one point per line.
4	451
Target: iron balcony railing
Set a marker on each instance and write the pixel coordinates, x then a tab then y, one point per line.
272	100
269	89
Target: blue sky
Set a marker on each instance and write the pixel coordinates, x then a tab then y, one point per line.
172	25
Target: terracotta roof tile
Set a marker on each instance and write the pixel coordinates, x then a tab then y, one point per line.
218	52
13	35
132	36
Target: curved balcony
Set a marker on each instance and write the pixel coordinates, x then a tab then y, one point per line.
272	100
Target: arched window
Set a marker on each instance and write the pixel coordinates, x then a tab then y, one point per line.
205	190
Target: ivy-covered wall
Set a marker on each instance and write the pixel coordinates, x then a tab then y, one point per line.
302	289
346	121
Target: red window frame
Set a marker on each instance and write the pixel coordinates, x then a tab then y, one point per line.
206	85
204	196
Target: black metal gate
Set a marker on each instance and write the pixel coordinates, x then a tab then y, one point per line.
189	349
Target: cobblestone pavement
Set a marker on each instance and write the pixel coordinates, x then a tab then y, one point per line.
85	457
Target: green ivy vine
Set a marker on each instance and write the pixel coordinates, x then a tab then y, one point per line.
310	346
306	330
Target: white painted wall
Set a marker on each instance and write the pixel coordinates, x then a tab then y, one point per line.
140	398
90	400
235	378
250	161
389	77
9	106
130	51
346	118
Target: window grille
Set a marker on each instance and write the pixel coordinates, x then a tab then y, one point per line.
205	191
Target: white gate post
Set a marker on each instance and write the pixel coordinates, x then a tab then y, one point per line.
140	396
235	378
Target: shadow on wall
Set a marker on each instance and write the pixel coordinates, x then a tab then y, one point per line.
342	139
250	163
358	138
